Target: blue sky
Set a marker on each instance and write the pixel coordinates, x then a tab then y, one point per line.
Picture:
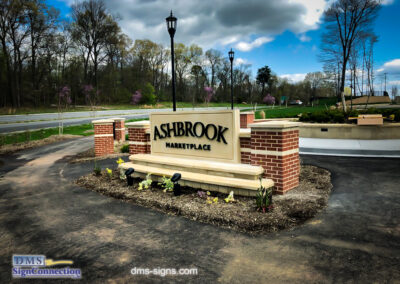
283	34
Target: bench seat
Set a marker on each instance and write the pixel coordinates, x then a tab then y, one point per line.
203	174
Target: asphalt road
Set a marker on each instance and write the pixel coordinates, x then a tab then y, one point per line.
35	125
356	239
13	123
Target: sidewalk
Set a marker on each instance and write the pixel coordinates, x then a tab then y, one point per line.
350	147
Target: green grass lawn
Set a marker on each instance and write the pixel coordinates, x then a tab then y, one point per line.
20	137
293	111
33	110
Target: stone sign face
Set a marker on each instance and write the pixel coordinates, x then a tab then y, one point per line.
210	135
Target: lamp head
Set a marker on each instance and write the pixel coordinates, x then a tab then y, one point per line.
171	24
231	55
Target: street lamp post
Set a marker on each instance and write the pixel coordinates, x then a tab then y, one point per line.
231	56
171	25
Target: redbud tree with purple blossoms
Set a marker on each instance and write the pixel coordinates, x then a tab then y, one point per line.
64	100
209	93
136	97
91	95
269	100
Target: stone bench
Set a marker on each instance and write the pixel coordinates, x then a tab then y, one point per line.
203	174
369	119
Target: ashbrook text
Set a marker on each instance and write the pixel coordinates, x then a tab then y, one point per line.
187	128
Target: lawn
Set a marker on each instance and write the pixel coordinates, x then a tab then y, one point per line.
19	137
83	130
293	111
33	110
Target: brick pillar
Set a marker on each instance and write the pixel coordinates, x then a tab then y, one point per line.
275	147
103	137
139	138
119	124
245	146
246	118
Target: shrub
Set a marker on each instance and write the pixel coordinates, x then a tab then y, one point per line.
148	96
305	117
122	95
337	116
125	148
320	117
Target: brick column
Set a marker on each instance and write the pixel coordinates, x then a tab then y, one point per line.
119	124
103	137
139	138
246	118
245	146
275	147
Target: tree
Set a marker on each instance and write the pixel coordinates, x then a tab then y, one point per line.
345	21
148	96
316	80
213	58
92	28
41	23
263	78
394	92
198	73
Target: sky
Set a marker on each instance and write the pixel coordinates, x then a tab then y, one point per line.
283	34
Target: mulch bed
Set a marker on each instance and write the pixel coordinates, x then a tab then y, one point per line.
291	209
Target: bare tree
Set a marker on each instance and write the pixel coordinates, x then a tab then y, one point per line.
316	79
345	21
93	26
214	58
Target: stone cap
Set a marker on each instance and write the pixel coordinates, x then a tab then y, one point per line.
118	118
245	132
247	112
103	121
138	124
275	125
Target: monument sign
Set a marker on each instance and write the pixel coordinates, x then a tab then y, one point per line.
210	135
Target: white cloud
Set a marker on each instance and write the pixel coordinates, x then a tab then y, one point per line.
211	23
245	46
304	38
392	66
240	61
297	77
387	2
394	83
314	11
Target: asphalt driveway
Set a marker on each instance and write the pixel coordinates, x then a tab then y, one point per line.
356	239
